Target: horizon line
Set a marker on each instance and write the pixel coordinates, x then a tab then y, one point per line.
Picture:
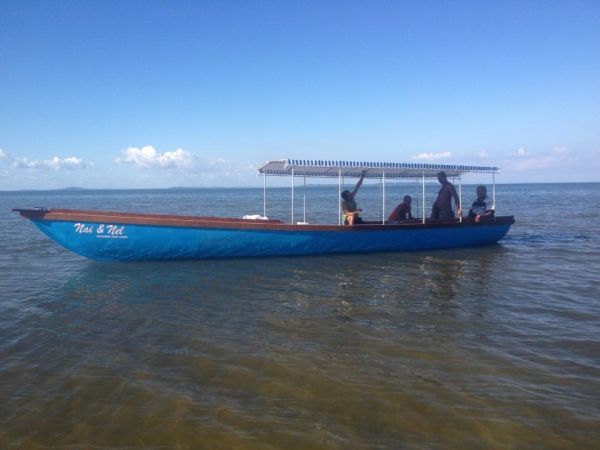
76	188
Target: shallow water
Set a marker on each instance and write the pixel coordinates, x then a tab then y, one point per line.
492	347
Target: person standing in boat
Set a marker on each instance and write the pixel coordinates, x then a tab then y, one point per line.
442	207
349	207
402	211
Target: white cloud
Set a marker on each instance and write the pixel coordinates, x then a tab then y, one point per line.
184	163
484	154
56	163
430	156
558	157
69	163
4	173
148	157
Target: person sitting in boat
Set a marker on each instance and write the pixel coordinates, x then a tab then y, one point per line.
479	206
402	211
442	207
349	207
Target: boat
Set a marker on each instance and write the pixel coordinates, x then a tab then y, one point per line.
126	236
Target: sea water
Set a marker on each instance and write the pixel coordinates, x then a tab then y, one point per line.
490	347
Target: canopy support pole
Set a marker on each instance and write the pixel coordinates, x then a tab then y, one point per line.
383	199
494	191
423	196
292	195
264	195
339	196
304	201
460	198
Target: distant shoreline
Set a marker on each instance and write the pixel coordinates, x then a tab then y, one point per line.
73	189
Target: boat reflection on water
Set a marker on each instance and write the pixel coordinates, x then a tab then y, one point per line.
441	276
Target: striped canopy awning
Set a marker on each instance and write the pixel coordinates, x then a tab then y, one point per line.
334	169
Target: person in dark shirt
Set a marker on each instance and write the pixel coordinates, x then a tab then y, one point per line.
349	207
479	206
442	207
402	211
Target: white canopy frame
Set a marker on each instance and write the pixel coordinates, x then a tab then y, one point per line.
374	170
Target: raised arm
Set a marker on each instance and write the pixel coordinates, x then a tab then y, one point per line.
359	184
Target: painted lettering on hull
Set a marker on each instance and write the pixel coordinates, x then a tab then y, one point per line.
101	230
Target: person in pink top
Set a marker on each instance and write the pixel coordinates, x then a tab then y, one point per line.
402	211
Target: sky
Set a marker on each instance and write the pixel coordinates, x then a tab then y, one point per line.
152	94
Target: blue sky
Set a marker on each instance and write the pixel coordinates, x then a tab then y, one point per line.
119	94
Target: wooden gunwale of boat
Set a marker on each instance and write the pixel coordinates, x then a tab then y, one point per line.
166	220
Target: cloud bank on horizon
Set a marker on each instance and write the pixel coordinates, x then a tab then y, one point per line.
56	163
432	156
179	161
148	157
180	167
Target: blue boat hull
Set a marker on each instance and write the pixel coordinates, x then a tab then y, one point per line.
130	241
